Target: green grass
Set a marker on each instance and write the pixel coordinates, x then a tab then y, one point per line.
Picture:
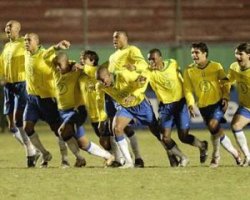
156	181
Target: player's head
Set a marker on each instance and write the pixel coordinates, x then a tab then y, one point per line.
120	39
12	29
242	54
155	59
199	52
104	76
89	57
61	62
31	41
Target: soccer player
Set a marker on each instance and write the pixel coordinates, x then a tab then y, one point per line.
127	88
41	102
66	82
239	73
203	79
128	57
12	70
166	80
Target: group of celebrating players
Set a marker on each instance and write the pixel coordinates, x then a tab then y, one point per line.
44	84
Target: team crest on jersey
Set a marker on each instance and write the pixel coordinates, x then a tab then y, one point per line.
169	84
63	88
242	87
205	86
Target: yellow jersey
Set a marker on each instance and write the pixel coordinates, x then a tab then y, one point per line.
167	83
12	63
205	84
66	85
129	55
96	109
39	77
242	80
125	85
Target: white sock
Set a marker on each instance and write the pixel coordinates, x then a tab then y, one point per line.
18	137
242	141
226	143
216	146
123	145
63	149
74	148
29	147
116	151
37	143
94	149
134	146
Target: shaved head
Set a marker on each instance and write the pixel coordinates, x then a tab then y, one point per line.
12	29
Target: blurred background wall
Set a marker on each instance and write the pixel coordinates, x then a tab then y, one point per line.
170	25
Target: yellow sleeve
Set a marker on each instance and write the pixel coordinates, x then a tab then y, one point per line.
225	86
49	55
139	61
188	89
1	67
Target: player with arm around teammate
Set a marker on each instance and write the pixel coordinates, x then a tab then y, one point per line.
167	83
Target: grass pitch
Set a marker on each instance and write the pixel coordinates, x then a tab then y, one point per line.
155	182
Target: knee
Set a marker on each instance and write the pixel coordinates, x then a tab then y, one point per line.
66	131
129	131
214	127
118	129
29	130
236	126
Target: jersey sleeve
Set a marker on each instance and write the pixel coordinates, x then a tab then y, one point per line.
138	59
188	89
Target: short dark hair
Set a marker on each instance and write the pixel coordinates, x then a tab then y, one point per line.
245	47
201	46
92	55
99	70
155	50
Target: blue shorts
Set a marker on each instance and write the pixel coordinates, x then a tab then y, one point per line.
72	117
243	111
213	112
142	114
175	113
41	108
110	106
15	96
106	132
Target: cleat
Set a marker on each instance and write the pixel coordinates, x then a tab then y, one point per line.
109	161
139	163
80	163
127	166
115	164
32	160
238	160
184	162
246	162
46	158
173	161
203	152
215	162
65	164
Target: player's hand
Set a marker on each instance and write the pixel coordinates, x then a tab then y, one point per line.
64	44
127	100
224	105
77	66
191	111
130	67
3	82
